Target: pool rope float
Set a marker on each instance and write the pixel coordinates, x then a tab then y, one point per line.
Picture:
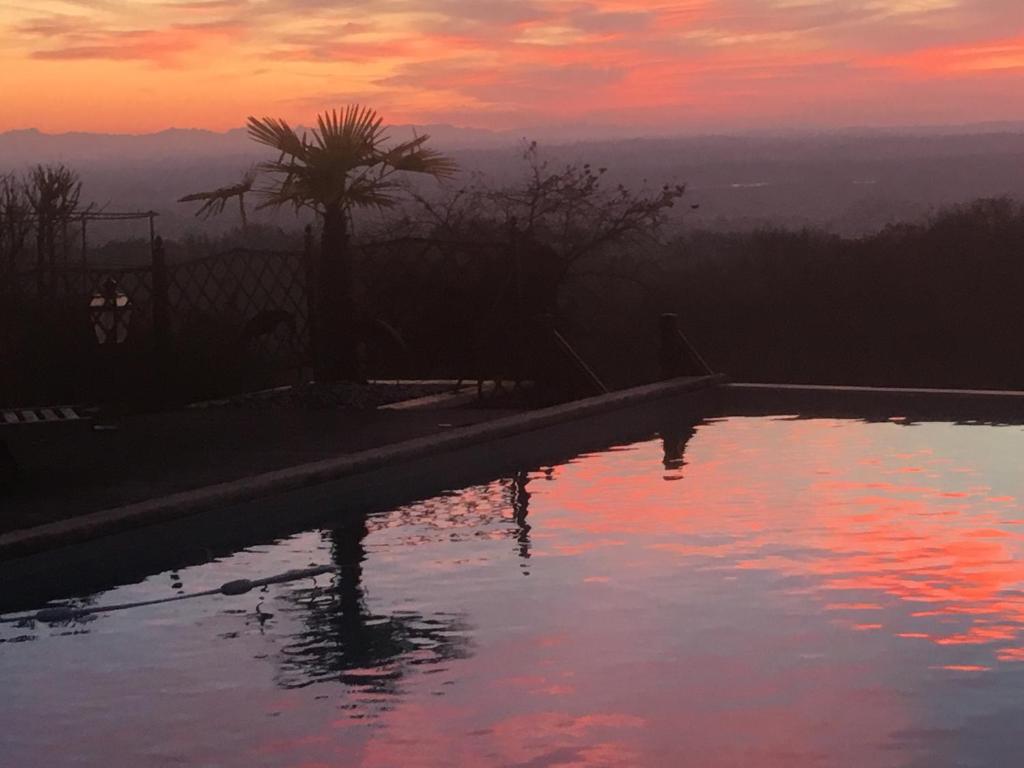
230	588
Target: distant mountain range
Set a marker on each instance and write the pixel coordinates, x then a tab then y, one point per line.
31	145
850	181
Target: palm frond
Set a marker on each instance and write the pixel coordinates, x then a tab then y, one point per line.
288	191
372	193
343	163
356	131
426	161
231	190
215	200
276	134
408	146
413	157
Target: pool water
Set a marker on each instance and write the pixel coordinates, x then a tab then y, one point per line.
757	591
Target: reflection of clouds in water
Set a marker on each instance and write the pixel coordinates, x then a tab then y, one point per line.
546	738
796	599
843	508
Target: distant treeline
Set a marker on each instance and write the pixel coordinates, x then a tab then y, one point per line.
936	304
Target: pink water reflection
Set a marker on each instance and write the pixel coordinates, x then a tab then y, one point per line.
761	610
800	499
783	593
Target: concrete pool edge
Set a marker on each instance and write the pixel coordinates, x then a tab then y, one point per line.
30	541
994	406
878	390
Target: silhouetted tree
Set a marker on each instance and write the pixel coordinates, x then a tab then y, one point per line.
553	225
340	165
53	193
15	223
551	221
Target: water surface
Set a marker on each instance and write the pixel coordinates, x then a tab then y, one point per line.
739	592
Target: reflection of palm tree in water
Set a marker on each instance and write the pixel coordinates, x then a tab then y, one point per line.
342	640
520	500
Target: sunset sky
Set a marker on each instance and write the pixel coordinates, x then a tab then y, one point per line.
144	65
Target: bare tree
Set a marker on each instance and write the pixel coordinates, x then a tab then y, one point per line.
552	221
15	223
53	193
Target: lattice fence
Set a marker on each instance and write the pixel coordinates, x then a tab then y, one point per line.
261	295
72	286
243	311
451	301
459	308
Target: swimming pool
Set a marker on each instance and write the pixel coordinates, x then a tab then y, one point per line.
741	590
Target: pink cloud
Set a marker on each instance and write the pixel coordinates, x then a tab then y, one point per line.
503	62
164	47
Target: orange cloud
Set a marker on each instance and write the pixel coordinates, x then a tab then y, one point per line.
165	47
995	56
504	63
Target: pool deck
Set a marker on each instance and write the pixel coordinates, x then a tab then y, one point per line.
80	468
79	482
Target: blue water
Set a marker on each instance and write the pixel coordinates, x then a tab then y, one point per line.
748	592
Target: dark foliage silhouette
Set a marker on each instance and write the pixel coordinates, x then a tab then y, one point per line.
929	304
342	164
497	264
932	304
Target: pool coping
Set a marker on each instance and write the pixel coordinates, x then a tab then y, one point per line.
30	541
871	390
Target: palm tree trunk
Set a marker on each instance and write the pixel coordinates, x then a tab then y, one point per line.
338	353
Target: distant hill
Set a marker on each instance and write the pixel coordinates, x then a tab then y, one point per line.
850	181
31	145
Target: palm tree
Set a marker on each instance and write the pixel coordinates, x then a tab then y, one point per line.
340	165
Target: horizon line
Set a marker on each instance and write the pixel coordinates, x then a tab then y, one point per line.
610	131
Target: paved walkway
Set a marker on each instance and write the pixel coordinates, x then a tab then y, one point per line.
74	469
